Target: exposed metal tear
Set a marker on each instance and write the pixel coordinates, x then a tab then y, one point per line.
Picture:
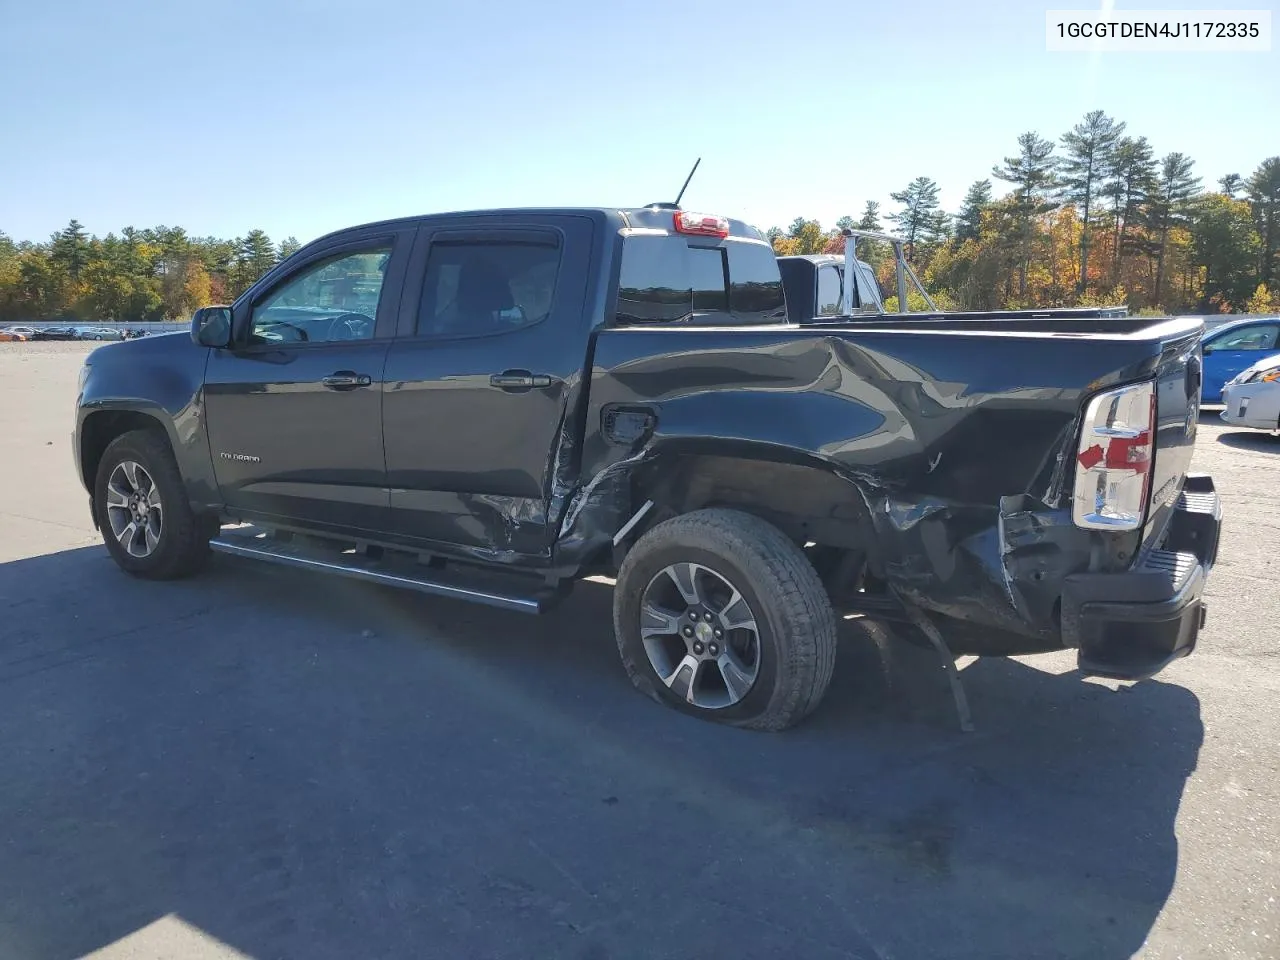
596	510
958	695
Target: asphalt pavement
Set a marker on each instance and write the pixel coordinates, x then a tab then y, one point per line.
263	763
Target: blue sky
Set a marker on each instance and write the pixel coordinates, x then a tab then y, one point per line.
302	117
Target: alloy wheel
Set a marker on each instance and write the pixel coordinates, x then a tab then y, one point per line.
700	635
134	510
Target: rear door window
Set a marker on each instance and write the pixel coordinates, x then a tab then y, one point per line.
478	286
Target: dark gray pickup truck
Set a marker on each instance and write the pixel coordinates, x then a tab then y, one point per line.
493	405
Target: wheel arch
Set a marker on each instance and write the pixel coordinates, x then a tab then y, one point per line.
101	426
800	494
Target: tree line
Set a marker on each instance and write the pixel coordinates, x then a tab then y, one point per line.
1092	219
159	273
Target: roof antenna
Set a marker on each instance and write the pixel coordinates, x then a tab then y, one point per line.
686	181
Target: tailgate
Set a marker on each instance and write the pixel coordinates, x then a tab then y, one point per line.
1178	374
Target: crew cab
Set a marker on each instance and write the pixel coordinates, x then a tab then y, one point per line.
493	405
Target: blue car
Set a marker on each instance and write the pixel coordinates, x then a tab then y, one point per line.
1232	349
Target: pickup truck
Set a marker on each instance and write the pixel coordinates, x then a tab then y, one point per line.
494	405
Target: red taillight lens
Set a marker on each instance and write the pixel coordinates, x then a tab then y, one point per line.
1130	453
1117	444
701	224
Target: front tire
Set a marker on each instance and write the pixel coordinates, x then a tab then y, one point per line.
718	614
146	520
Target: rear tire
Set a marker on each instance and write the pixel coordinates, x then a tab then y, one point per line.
141	503
718	614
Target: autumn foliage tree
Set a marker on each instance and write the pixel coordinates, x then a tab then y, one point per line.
1101	222
159	273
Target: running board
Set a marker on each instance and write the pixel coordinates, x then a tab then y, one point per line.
287	554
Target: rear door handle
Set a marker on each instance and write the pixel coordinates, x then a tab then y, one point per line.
346	380
519	380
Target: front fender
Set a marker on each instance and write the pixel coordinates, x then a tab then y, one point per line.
158	378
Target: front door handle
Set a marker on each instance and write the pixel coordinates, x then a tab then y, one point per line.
520	380
346	380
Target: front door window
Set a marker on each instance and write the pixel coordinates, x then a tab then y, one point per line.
335	299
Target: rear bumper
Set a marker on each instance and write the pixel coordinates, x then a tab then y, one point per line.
1131	625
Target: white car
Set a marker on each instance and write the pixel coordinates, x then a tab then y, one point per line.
1253	396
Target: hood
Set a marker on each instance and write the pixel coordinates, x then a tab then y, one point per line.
1266	363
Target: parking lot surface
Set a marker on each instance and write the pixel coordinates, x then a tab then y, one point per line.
262	763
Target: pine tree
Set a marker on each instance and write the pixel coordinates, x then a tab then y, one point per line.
918	220
1231	184
870	219
70	248
872	252
1089	146
1176	188
1131	178
288	247
969	219
1032	174
255	255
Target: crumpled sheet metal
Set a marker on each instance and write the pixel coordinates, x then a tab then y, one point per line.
959	448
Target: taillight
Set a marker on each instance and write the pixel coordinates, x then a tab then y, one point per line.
701	224
1113	464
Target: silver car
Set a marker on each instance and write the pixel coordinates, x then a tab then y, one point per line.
1252	397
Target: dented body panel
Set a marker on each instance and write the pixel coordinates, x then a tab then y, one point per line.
954	445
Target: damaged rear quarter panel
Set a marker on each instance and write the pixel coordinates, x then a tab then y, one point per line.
956	444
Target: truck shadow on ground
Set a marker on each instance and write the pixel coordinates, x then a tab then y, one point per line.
310	767
1257	441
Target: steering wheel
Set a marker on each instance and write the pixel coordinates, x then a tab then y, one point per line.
349	326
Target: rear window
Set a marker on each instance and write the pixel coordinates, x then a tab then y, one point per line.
669	280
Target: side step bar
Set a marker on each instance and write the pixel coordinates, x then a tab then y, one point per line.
272	551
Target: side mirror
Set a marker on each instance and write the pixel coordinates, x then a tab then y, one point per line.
1207	349
211	326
